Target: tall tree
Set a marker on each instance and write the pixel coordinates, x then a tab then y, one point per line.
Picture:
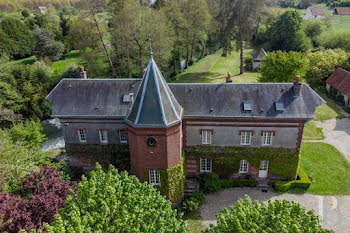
242	17
94	6
131	29
287	34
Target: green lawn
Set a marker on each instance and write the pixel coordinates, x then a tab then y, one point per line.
312	132
341	23
328	167
59	67
327	111
214	69
194	222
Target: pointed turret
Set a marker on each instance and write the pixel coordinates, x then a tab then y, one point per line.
155	105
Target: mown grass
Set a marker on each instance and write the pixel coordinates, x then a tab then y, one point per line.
328	167
327	111
341	23
312	132
214	69
59	67
194	222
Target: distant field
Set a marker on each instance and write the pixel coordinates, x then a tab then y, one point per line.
13	5
214	69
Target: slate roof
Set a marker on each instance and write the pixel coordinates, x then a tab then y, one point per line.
340	80
316	10
342	11
259	55
155	104
78	98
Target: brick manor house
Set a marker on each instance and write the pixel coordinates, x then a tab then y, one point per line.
229	129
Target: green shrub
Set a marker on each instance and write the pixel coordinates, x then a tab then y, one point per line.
347	109
191	61
339	98
231	183
193	202
211	183
303	183
248	65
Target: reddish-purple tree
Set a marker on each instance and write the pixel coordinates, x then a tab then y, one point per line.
46	193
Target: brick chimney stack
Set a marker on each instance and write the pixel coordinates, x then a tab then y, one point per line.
83	73
297	86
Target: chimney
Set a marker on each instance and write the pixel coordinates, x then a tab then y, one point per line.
83	74
297	86
131	98
228	78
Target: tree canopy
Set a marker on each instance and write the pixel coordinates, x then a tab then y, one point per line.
282	66
114	201
275	216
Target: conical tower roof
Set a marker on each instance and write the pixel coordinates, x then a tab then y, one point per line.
155	105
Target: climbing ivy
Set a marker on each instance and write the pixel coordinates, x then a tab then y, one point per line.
283	162
115	154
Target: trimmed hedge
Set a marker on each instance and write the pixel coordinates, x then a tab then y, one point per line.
231	183
303	183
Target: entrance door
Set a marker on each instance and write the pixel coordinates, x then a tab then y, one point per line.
264	168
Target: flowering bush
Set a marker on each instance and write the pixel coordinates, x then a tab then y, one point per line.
44	193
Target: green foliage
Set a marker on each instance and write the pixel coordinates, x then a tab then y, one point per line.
231	183
71	72
211	183
18	40
248	65
323	63
113	201
286	33
304	183
281	66
334	40
173	182
226	160
339	98
192	203
275	216
30	134
313	28
45	45
25	12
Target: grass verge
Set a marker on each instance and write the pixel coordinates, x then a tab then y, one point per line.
194	222
312	132
327	111
328	167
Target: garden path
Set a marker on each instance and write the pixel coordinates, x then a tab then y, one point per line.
334	210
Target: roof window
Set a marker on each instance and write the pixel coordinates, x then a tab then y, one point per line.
127	97
247	106
279	106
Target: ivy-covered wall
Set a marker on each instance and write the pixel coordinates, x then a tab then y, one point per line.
226	160
116	154
172	181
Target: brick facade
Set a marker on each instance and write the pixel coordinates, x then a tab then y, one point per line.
165	154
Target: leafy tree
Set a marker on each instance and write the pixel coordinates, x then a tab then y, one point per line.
18	35
334	40
30	133
25	12
45	45
282	66
113	202
50	21
132	27
275	216
286	33
313	28
44	193
323	63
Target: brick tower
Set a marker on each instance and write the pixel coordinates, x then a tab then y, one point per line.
154	127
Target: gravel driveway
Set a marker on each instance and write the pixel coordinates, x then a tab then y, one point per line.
334	210
337	133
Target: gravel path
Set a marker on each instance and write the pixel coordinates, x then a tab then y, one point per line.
337	133
334	210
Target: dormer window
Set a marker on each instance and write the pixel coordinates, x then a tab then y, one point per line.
247	106
279	106
127	98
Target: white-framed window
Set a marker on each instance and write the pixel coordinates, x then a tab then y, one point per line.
246	137
82	135
154	177
267	138
243	167
206	165
103	136
206	137
123	136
